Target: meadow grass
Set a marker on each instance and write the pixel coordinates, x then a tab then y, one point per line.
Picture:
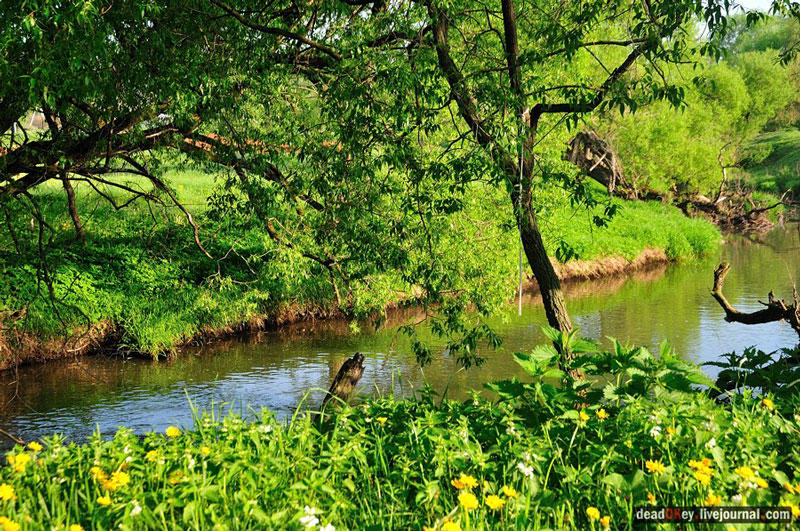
528	461
775	165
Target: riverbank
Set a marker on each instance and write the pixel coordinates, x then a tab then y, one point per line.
426	463
139	285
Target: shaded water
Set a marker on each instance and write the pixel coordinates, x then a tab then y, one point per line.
276	369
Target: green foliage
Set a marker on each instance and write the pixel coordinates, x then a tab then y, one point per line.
644	437
772	161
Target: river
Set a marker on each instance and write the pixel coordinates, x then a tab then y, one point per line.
276	369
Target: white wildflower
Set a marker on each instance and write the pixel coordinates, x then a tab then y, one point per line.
328	527
136	508
655	432
711	443
526	470
736	498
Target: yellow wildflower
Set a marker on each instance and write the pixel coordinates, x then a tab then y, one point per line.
382	420
426	528
583	416
450	526
593	513
98	473
762	483
469	481
485	485
789	488
7	492
457	484
75	527
703	478
746	472
19	461
654	467
767	403
713	499
605	521
205	450
467	500
152	455
651	498
510	492
8	524
795	510
121	478
175	478
172	431
601	414
104	500
670	430
494	502
35	446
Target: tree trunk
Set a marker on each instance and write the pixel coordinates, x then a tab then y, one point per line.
73	209
345	381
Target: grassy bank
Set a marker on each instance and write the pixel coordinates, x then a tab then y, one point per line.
528	461
140	283
772	161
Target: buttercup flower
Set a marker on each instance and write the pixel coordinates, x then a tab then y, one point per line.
494	502
654	467
172	431
7	492
583	416
593	513
205	450
450	526
651	498
468	501
75	527
605	521
601	414
762	483
35	446
745	472
382	420
713	499
104	500
703	478
152	455
509	492
767	403
8	524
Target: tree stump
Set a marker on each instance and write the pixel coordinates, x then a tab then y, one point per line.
345	381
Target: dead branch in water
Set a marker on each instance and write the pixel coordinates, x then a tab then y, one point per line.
345	381
775	309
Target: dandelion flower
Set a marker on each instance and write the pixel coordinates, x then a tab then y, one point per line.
703	478
468	481
75	527
745	472
494	502
789	488
450	526
105	501
121	478
651	497
767	403
7	492
583	416
19	461
762	483
510	492
382	420
795	510
601	414
605	521
713	499
654	467
457	483
172	431
670	430
8	524
205	450
152	455
35	446
593	513
467	500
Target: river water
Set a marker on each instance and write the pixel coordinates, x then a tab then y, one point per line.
276	369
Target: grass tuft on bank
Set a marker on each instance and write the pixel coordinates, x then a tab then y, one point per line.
646	437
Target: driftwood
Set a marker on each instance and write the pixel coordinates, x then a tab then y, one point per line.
775	309
345	381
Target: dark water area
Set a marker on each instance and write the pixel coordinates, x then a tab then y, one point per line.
277	369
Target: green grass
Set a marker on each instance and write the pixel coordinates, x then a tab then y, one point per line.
388	464
772	161
140	269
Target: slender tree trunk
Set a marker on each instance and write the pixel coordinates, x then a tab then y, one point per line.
73	209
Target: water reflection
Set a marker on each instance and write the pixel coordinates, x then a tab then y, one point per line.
276	369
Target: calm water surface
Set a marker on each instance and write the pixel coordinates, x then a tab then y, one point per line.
276	369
